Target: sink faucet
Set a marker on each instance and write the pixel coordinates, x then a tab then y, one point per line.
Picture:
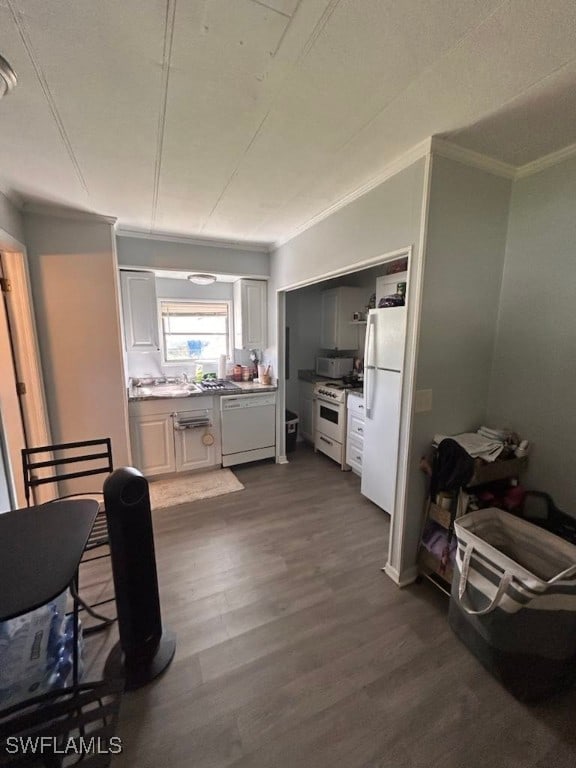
184	377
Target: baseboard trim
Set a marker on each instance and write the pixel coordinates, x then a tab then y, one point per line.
404	579
282	460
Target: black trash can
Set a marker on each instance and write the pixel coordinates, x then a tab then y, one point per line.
291	431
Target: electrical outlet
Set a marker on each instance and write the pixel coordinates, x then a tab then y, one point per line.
423	401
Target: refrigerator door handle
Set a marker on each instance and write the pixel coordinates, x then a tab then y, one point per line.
369	371
368	351
369	391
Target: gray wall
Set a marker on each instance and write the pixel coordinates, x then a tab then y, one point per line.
169	254
11	219
466	241
303	320
383	220
74	277
534	368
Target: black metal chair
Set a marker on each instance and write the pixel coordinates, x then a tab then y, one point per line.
62	728
50	464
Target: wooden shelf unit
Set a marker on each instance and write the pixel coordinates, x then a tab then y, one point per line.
429	564
497	470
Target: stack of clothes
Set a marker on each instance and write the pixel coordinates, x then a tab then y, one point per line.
487	444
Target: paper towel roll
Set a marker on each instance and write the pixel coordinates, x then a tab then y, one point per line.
222	367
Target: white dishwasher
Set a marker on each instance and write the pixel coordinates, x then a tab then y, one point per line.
248	427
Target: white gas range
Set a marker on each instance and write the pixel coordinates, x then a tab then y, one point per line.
330	420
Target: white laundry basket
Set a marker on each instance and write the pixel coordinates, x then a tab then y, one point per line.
513	601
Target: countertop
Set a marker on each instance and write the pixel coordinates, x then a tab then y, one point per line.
250	386
171	392
358	392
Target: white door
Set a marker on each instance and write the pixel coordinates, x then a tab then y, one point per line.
381	437
192	452
140	311
254	314
250	314
27	418
386	338
153	444
11	425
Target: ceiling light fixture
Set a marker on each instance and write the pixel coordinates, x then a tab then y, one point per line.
201	279
8	77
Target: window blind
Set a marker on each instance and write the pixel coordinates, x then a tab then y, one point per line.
181	308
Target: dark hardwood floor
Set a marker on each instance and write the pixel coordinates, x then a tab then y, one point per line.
296	651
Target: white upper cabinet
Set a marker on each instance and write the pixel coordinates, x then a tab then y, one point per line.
338	307
250	314
140	311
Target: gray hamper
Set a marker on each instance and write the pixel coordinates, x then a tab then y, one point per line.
513	602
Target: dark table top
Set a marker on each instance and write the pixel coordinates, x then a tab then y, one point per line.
40	550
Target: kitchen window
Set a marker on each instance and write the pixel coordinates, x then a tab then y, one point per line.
195	330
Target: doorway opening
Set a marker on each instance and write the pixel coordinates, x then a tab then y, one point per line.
23	413
361	273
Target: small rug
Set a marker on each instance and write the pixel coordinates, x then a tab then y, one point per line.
183	490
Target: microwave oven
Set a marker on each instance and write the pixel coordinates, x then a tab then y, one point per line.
334	367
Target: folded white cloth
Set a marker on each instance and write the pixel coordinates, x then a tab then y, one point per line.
476	445
493	434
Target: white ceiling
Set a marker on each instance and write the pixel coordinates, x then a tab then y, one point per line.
244	119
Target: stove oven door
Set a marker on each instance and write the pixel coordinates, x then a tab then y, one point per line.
330	419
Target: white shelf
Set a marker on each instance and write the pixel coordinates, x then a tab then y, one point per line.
357	322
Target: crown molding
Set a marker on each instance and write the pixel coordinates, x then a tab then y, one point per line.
38	209
213	242
547	161
399	164
14	198
470	157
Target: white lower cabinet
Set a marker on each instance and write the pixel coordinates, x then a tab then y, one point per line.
152	438
354	451
160	449
355	433
193	449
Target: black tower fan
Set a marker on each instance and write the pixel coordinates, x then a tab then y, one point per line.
145	648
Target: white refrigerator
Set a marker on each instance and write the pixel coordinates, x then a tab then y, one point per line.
383	364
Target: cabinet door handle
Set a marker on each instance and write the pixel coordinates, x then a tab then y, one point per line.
358	458
361	430
324	439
